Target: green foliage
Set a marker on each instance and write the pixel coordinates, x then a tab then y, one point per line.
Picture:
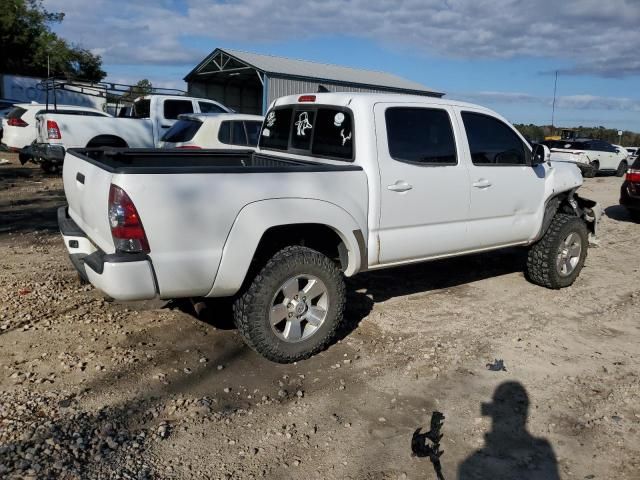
26	40
537	133
143	87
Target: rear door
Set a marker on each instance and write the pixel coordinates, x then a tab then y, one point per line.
424	199
506	193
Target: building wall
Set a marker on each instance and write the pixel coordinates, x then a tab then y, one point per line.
280	87
241	97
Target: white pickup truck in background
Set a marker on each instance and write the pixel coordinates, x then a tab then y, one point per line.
151	116
340	183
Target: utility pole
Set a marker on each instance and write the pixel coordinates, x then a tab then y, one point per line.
553	107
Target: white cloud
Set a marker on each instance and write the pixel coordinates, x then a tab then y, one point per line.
567	102
588	36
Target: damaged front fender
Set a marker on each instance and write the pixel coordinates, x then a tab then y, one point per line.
590	211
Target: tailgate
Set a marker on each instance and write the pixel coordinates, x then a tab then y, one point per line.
86	187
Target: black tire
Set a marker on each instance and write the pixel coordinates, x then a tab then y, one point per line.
622	169
542	268
595	167
49	167
588	172
252	308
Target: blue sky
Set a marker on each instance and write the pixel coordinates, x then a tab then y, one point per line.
498	53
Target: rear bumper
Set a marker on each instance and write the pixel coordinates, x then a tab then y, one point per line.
44	152
630	196
123	276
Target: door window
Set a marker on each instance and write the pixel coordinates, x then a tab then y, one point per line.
420	135
173	108
492	142
238	135
253	132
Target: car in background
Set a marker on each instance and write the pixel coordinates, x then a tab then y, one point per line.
630	191
633	151
591	156
214	130
20	123
5	107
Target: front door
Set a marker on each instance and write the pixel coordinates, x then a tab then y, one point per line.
424	194
507	194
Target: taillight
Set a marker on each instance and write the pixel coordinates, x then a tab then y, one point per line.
17	122
633	176
189	147
126	227
307	98
53	132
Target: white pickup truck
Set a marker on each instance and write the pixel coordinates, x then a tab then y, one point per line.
340	183
151	116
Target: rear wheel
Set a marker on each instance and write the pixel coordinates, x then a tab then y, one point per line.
556	260
622	169
293	307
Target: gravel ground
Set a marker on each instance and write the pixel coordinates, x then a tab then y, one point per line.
97	389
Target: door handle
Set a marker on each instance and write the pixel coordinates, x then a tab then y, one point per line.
482	183
165	126
399	186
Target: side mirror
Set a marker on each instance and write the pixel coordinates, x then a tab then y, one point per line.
540	154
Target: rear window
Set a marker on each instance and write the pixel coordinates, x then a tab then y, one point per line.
182	131
310	130
16	112
141	109
277	125
173	108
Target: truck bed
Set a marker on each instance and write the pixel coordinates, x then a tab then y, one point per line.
154	161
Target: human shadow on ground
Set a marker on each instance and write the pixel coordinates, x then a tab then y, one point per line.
510	451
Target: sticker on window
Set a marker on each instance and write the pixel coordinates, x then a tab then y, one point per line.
271	119
345	139
303	124
338	119
266	132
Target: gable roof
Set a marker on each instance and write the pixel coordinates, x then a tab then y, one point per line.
286	67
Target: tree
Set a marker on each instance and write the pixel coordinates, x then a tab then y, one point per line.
28	44
143	87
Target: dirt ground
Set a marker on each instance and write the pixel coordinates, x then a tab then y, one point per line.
97	389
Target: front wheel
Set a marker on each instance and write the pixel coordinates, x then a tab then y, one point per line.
556	260
293	307
622	169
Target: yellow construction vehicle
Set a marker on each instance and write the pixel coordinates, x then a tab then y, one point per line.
565	134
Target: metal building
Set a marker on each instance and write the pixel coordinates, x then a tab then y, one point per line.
249	82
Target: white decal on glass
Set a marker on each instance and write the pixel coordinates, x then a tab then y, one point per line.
303	124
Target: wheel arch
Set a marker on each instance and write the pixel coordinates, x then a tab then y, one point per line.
107	141
259	231
571	203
